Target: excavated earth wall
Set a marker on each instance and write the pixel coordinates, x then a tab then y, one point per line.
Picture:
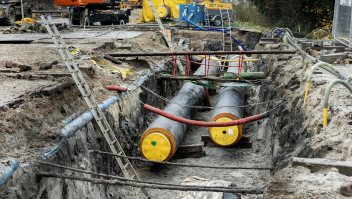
296	129
126	117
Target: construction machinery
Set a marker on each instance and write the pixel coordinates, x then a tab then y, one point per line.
106	12
217	12
10	10
166	9
202	13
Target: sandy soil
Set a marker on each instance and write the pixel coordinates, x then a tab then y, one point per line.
33	126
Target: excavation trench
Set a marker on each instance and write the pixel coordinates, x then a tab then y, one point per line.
129	121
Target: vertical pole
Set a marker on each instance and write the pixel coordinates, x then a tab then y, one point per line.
22	11
349	44
223	31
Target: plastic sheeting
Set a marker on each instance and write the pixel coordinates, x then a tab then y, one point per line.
197	181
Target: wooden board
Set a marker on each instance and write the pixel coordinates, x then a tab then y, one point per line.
338	48
190	151
243	143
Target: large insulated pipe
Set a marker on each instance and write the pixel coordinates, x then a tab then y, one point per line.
160	141
228	97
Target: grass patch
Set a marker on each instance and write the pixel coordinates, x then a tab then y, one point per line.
249	15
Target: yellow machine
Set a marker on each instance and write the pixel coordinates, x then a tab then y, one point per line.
164	8
217	9
171	9
216	5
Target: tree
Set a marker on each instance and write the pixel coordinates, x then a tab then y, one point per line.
307	14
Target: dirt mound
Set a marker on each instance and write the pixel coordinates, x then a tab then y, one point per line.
319	34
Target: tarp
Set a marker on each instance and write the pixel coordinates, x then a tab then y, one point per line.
197	181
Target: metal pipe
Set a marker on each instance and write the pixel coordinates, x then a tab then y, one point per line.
228	77
160	141
50	11
200	53
229	96
22	11
327	94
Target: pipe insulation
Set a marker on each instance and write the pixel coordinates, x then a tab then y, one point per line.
228	96
7	171
85	118
160	141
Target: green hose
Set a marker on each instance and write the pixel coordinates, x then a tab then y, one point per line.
290	40
327	94
285	40
320	64
289	31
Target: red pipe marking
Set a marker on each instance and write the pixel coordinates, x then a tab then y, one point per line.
117	88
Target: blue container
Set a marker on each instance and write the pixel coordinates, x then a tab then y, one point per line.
197	10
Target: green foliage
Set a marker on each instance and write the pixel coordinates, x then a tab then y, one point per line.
306	14
256	20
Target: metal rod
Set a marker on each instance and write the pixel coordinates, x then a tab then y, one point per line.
199	53
115	176
213	78
180	164
151	185
50	11
22	11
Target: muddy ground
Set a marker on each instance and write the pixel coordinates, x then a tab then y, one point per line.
35	109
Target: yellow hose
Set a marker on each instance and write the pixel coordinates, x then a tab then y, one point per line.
305	96
214	59
325	116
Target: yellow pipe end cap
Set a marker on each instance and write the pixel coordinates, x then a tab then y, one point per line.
162	12
224	136
156	146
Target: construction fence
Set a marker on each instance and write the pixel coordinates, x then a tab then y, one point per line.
342	24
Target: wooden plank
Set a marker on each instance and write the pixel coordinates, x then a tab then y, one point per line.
56	74
243	143
245	138
316	164
338	48
189	151
190	148
189	155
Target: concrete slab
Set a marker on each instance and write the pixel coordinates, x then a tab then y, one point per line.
120	34
316	164
331	58
72	35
